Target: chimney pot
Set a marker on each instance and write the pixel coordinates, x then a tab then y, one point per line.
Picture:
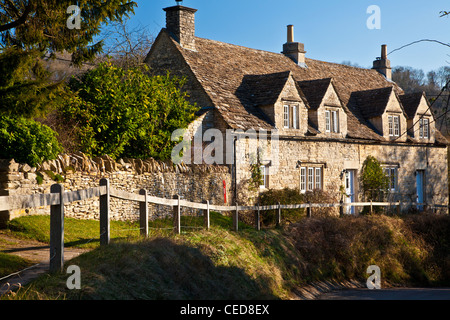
384	51
290	33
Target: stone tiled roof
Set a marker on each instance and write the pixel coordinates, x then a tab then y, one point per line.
440	138
411	102
314	90
225	71
371	103
262	90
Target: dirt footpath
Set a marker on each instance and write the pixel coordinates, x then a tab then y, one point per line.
34	251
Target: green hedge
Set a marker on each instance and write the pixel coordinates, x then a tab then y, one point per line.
27	141
293	196
284	196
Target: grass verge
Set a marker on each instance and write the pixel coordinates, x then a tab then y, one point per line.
10	263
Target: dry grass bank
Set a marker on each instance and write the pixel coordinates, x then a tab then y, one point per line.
270	264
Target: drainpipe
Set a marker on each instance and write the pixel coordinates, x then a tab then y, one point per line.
235	169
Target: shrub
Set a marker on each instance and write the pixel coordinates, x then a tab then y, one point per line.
293	196
373	180
343	248
27	141
284	196
127	113
320	196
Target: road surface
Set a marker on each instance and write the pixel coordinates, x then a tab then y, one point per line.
389	294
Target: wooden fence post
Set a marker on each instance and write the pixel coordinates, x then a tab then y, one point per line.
236	219
258	219
104	214
177	215
206	215
279	215
143	214
341	208
57	231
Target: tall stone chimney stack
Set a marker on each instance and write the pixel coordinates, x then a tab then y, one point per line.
294	50
382	64
180	23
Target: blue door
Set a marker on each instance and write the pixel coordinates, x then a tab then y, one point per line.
420	186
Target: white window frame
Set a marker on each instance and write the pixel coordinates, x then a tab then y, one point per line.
286	116
391	126
265	176
392	173
424	128
290	116
332	121
318	178
294	117
327	121
396	126
303	179
310	178
335	121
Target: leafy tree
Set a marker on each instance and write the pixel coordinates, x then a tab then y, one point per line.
33	29
43	25
373	178
25	89
27	141
127	113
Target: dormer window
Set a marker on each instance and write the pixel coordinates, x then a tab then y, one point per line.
394	126
332	121
290	117
424	128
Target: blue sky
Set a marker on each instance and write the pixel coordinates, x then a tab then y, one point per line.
331	30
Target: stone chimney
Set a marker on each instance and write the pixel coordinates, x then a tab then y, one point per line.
180	23
382	64
294	50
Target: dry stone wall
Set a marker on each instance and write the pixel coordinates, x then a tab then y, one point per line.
77	171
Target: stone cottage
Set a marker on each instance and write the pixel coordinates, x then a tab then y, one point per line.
320	120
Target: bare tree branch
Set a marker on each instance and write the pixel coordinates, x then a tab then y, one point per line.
21	20
127	47
13	8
